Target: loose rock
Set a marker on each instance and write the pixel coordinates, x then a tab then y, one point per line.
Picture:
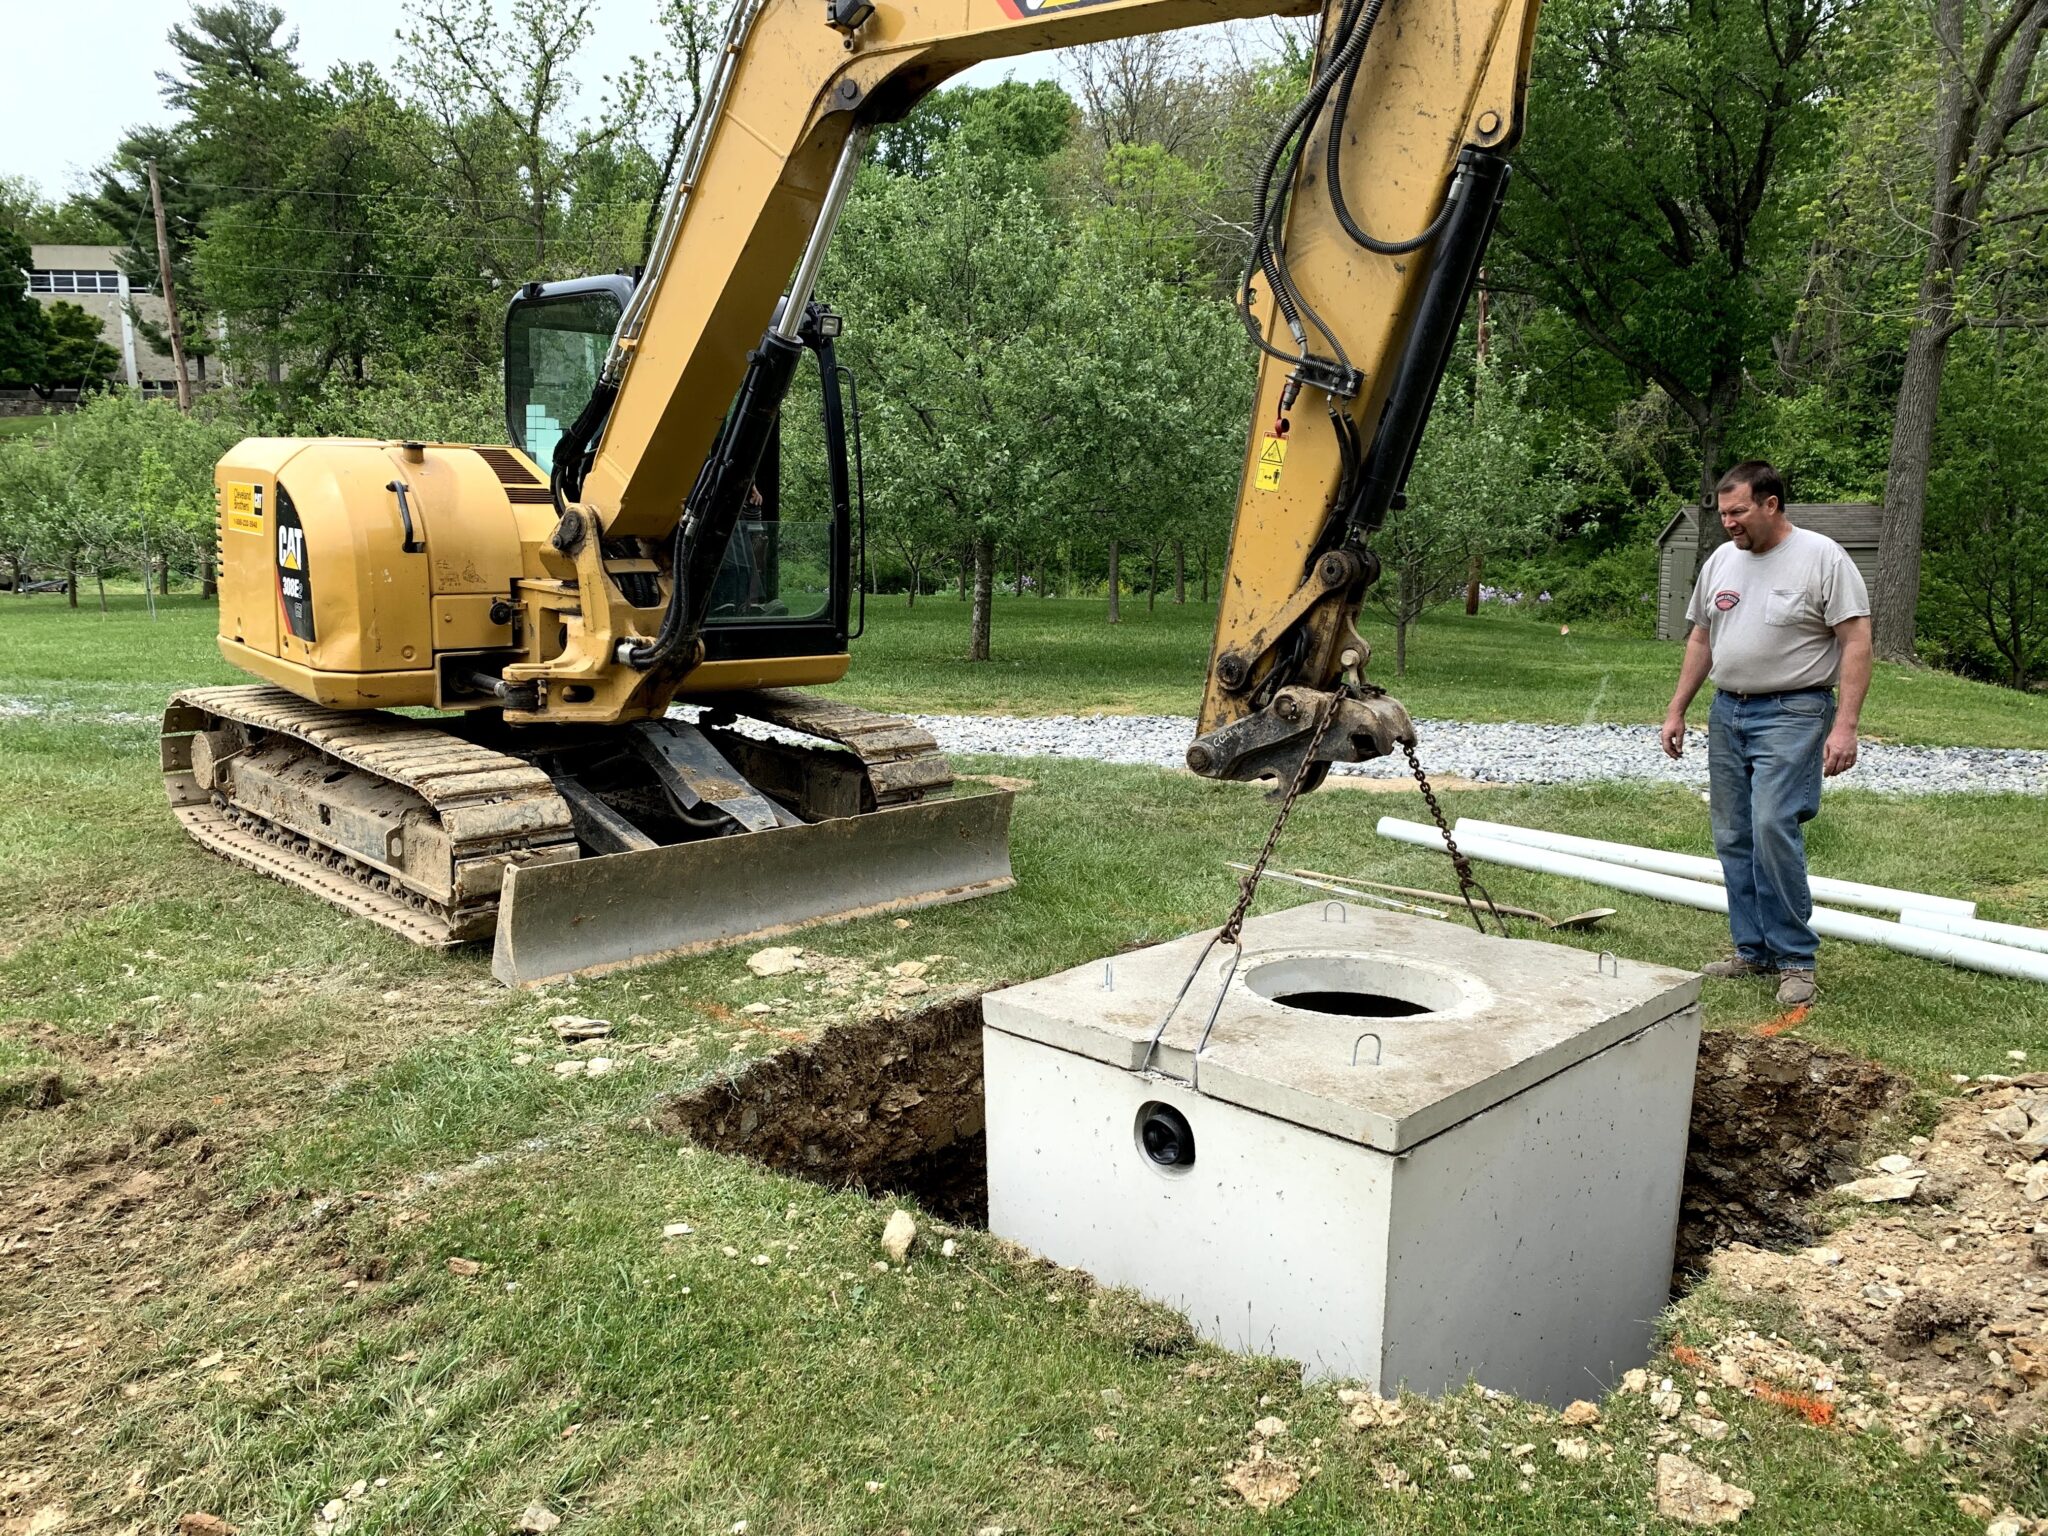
464	1267
1572	1448
571	1027
1270	1428
898	1235
1581	1413
1883	1187
778	961
1263	1482
1691	1495
537	1520
199	1523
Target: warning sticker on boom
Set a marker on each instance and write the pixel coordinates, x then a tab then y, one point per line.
294	579
1272	456
1023	10
244	507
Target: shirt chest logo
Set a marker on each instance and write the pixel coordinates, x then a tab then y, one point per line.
1726	599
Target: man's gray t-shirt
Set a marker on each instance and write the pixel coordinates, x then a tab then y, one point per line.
1771	619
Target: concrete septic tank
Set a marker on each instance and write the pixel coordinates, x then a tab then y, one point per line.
1490	1194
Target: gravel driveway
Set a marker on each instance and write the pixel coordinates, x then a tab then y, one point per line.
1500	754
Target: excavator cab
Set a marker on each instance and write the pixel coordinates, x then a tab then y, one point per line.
785	587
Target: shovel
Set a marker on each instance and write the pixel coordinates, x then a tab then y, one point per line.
1587	919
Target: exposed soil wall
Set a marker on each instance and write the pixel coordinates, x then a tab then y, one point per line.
1774	1121
882	1105
896	1105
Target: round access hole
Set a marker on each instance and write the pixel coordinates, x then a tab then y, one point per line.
1353	986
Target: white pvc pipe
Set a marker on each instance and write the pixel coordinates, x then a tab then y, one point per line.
1927	943
1846	893
2015	934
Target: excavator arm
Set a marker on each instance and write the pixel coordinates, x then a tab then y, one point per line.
1378	198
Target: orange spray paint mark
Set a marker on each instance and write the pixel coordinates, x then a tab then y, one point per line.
1789	1020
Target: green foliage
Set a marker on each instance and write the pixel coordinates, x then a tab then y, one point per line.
1650	195
1478	487
1986	603
76	354
24	334
1618	585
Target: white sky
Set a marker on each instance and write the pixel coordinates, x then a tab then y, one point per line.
77	75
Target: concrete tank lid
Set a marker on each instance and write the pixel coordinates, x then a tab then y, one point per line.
1503	1015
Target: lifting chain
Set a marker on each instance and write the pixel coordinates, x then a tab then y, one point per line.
1233	925
1467	881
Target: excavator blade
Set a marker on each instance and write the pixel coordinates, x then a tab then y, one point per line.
599	914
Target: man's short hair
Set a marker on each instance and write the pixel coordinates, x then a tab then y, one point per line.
1761	479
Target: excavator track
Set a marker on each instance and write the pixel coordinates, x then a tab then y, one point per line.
902	761
390	818
426	827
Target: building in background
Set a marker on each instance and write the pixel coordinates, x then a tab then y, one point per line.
89	276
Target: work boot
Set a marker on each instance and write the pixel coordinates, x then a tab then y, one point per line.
1795	989
1737	965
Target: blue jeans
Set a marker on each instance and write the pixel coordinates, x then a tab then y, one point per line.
1763	776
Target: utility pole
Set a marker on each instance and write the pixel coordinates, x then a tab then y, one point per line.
163	272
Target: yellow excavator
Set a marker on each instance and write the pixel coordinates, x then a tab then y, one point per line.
629	551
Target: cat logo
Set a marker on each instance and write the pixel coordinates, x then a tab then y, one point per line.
294	576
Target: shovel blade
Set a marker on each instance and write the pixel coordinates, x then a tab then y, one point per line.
609	912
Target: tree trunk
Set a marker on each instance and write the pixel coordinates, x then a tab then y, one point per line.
1896	601
1116	615
1038	577
99	576
1152	582
1180	571
71	579
1021	562
1204	554
1472	580
1400	647
910	597
209	582
163	575
984	598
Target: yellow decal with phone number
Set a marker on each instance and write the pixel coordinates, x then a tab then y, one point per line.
244	507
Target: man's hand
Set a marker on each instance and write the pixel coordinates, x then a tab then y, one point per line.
1673	736
1838	752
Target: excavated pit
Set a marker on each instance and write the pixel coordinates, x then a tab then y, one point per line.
894	1106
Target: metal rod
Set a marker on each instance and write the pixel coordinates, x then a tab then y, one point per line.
1324	885
836	193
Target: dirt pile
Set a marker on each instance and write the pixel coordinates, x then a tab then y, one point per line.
1943	1295
1774	1122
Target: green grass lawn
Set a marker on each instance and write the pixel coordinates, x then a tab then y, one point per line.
1058	656
230	1288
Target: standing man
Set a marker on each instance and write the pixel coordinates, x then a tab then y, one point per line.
1779	618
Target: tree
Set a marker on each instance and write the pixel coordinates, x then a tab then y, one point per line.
1478	488
1984	65
1988	511
76	355
1649	199
24	333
